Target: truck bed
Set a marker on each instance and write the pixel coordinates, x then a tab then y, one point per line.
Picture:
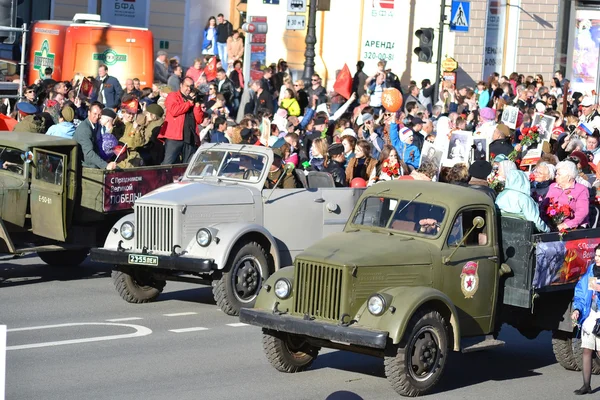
542	262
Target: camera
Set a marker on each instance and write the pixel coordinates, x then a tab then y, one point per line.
195	96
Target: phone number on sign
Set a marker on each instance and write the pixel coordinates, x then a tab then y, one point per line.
370	55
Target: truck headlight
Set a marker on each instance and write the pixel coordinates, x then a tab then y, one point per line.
283	288
127	230
203	237
376	304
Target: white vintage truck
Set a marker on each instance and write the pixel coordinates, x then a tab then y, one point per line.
219	226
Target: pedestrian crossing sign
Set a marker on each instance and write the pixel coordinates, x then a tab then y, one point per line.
460	15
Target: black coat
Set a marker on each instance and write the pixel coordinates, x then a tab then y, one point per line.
227	90
337	172
501	146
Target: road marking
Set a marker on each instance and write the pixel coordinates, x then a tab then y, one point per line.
184	330
237	325
124	319
139	331
181	314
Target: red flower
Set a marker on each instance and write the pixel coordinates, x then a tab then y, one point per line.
531	177
520	137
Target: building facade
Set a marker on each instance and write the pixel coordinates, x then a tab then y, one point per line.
504	36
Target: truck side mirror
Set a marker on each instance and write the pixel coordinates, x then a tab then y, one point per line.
478	222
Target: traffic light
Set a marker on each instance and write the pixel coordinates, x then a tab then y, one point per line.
425	49
255	27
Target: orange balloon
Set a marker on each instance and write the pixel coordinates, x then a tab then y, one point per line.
391	99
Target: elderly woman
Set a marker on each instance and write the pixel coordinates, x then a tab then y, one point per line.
567	191
543	176
515	199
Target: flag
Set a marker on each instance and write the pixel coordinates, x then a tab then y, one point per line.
131	106
211	70
7	123
86	87
585	128
343	83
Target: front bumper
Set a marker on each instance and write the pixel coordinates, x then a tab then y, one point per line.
175	263
320	330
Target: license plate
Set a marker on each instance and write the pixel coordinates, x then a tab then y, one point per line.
142	259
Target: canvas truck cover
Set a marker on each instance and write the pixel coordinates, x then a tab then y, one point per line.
72	48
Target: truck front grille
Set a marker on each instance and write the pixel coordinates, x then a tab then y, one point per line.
318	290
154	228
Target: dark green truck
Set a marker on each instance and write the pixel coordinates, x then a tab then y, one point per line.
49	204
420	270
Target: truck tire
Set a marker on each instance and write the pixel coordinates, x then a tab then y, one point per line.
288	353
137	286
578	356
415	365
246	270
563	348
64	258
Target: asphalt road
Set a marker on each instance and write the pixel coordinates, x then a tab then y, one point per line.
72	337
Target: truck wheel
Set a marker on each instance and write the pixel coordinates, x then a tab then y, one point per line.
416	364
137	286
246	270
64	258
563	348
287	352
578	356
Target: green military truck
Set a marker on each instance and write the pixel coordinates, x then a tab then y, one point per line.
422	269
52	206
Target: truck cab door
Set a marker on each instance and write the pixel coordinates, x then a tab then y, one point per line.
48	200
470	276
13	186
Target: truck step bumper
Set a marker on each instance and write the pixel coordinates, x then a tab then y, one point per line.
320	330
470	345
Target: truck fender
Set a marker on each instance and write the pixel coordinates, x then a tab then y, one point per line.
266	297
226	236
114	235
406	301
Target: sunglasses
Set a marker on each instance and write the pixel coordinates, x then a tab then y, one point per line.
314	80
29	91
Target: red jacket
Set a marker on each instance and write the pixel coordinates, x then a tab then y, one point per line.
176	107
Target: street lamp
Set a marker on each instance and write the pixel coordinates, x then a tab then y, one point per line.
311	40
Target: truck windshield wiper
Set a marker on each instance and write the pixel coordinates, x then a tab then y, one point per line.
410	202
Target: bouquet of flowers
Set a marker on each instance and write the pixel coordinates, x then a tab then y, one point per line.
495	182
528	137
391	169
557	213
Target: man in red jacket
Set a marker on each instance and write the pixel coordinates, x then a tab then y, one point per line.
180	130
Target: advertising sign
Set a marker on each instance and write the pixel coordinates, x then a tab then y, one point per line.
122	188
380	17
494	37
132	13
586	46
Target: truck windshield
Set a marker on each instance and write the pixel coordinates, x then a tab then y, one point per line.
228	165
11	160
399	215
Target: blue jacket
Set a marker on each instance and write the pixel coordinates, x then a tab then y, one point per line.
216	137
583	296
409	153
516	199
112	92
64	130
